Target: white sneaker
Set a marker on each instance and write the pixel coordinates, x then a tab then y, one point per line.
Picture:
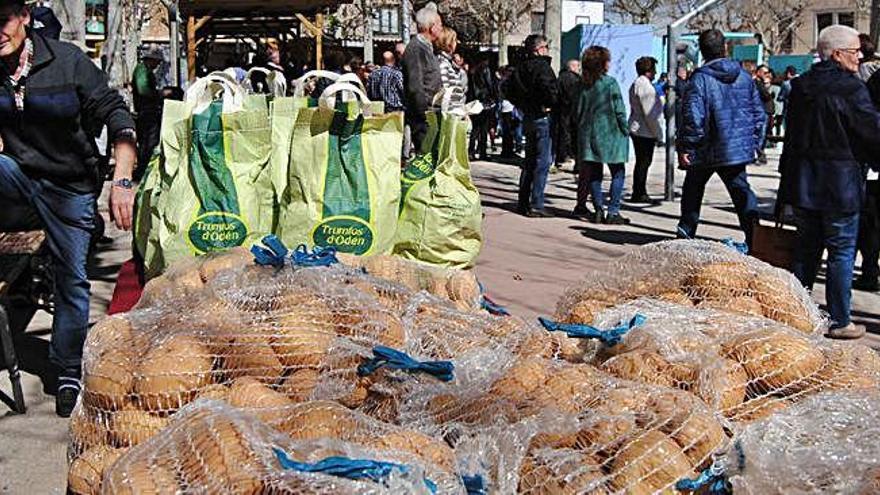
851	331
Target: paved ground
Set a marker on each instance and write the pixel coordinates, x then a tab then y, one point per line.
526	264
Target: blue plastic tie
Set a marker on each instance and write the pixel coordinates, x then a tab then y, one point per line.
344	467
474	485
739	246
320	256
273	254
489	305
394	359
713	477
612	336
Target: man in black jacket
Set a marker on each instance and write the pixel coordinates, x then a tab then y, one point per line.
421	74
53	103
832	128
569	89
534	84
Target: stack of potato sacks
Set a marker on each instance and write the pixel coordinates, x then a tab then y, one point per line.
259	357
264	339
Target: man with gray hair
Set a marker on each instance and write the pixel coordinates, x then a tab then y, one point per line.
832	129
421	74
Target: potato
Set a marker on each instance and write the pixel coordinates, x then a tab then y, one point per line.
699	436
651	462
268	405
781	302
110	333
523	377
298	386
171	373
722	385
213	265
225	460
463	289
319	419
87	470
428	449
253	356
776	360
850	367
584	311
757	409
643	367
568	390
720	280
108	377
131	426
139	477
87	430
573	474
303	334
215	391
743	305
675	297
604	434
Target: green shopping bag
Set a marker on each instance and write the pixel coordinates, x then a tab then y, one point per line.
440	218
342	186
213	190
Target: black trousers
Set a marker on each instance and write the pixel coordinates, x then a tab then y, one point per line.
644	148
149	125
563	137
480	133
869	232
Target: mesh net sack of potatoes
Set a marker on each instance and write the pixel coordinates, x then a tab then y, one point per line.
743	367
264	338
693	273
825	444
211	447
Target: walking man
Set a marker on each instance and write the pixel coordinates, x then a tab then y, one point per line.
533	89
645	110
722	123
421	74
833	129
147	106
53	102
570	86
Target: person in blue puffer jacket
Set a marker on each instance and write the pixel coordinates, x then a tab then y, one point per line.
721	128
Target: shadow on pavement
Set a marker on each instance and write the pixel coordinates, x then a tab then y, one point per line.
620	236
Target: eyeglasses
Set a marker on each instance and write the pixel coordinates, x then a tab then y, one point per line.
854	51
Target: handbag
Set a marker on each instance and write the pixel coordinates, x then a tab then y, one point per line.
774	244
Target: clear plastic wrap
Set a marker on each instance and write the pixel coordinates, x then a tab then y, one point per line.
827	443
702	273
264	338
744	367
211	447
583	430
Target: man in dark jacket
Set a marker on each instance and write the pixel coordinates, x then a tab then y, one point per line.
569	89
421	74
53	103
831	131
537	96
721	126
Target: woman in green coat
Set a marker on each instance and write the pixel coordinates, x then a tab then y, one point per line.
602	137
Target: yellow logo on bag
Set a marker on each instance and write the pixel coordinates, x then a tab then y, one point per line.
346	234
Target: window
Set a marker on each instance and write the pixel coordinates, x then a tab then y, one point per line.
825	19
537	22
386	21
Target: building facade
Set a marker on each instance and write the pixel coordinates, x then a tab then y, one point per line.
820	14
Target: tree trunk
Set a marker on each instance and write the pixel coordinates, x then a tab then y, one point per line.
72	15
875	21
553	30
368	31
502	48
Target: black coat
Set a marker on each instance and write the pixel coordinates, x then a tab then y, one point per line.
421	77
831	130
539	83
67	101
570	85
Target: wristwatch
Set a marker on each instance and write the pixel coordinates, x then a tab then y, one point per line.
123	183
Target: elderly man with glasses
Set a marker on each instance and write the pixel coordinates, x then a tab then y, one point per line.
832	129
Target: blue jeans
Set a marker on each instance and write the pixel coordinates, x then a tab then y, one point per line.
594	169
539	157
818	230
737	183
69	219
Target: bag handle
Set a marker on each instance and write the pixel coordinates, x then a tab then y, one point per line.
328	97
443	100
205	91
272	79
300	84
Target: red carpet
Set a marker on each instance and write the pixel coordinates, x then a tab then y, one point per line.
128	289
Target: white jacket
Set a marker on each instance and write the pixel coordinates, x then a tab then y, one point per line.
645	109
